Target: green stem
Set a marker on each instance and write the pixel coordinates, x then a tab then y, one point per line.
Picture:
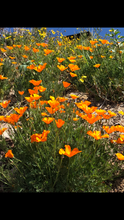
58	172
17	168
68	173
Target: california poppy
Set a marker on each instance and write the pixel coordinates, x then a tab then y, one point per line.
73	74
92	118
40	137
61	67
26	48
97	65
59	123
2	77
74	96
66	84
60	59
9	47
47	120
34	82
120	156
2	130
93	42
97	134
40	67
53	103
31	67
47	51
44	45
4	104
12	58
100	111
21	110
68	151
35	50
9	154
73	67
61	99
104	41
25	56
52	110
109	130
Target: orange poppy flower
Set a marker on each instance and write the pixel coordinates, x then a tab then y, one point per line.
80	47
35	50
75	119
29	99
60	59
91	118
47	120
61	67
66	84
41	88
120	156
35	96
12	58
2	130
38	44
40	67
47	51
9	47
73	67
44	114
71	58
12	118
52	110
97	134
35	83
44	45
87	109
73	74
26	48
59	123
2	118
21	110
80	56
100	111
31	91
2	77
9	154
104	41
40	137
25	56
3	50
61	99
102	56
33	104
4	104
43	102
93	42
112	113
97	65
91	57
74	96
68	151
59	43
109	130
53	103
19	46
31	67
14	62
119	128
